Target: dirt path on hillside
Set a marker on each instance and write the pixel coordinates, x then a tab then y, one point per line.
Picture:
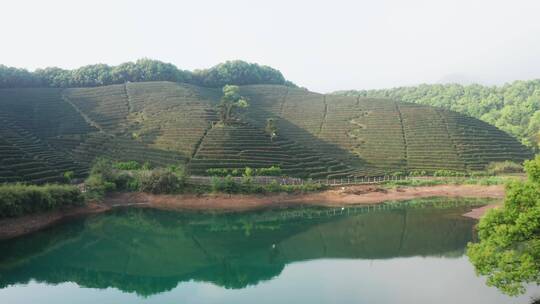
352	195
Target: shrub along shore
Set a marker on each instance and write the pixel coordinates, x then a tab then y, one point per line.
106	177
20	199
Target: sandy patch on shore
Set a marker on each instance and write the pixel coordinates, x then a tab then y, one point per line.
477	213
342	196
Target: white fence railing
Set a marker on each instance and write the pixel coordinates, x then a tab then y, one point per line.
264	180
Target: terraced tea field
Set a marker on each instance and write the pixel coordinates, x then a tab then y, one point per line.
378	136
46	132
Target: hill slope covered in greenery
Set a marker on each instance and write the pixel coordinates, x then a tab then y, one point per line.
48	131
514	107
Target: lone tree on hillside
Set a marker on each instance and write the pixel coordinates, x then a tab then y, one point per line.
230	101
271	128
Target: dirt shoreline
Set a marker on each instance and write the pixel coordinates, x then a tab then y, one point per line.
353	195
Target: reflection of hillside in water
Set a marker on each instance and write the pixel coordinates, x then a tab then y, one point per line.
149	251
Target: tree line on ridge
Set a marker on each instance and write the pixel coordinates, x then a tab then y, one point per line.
231	72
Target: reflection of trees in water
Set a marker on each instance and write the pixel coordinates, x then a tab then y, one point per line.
150	251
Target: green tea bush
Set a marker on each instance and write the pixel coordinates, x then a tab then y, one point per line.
217	172
478	174
496	168
178	169
68	176
20	199
229	185
215	184
308	186
125	181
225	184
104	167
492	180
146	166
133	185
248	172
271	171
418	173
247	185
104	179
97	186
129	165
449	173
533	169
161	182
480	180
415	183
274	186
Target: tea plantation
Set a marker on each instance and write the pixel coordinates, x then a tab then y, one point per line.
46	132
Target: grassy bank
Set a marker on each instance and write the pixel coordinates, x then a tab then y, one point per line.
481	180
20	199
247	186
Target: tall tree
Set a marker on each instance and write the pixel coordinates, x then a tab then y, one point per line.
509	249
239	73
17	78
230	101
271	128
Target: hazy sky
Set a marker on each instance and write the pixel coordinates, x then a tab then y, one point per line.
323	45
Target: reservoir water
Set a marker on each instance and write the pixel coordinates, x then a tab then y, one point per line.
410	252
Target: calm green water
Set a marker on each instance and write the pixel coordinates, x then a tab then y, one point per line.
400	254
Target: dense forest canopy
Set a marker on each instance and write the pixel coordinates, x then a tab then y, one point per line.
239	73
514	107
231	72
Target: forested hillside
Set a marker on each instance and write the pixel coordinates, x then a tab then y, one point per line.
231	72
514	107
